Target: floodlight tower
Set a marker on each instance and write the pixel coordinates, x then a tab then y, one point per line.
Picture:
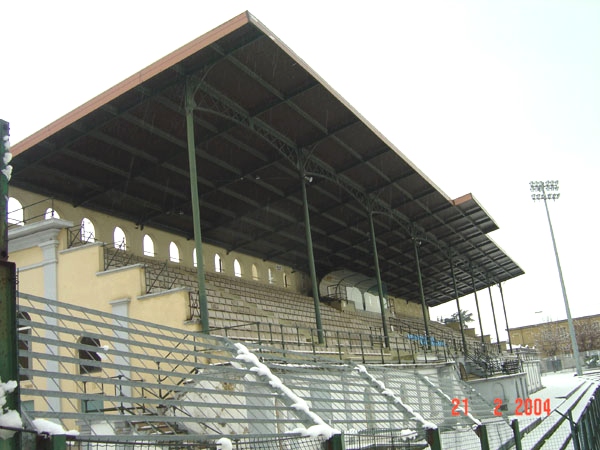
549	191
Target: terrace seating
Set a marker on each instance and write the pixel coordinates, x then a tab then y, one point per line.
250	310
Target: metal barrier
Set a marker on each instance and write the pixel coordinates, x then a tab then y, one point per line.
126	379
125	383
34	212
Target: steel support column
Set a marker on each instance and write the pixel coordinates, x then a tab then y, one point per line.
477	305
460	319
191	143
311	256
505	317
9	359
494	314
4	150
386	336
422	293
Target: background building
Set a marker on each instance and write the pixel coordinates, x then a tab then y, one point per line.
551	339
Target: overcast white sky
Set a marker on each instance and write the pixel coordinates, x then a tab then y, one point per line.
483	96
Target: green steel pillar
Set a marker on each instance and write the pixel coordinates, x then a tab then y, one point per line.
386	336
495	325
189	119
422	293
460	320
505	317
517	434
9	359
336	442
434	438
574	431
8	341
481	431
52	442
477	305
311	257
4	155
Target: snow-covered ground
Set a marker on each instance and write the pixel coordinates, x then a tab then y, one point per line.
557	386
565	391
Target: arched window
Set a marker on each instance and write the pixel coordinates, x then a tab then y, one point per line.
218	263
119	239
15	212
88	231
254	272
173	252
51	214
195	258
24	333
89	354
271	279
148	246
285	280
237	269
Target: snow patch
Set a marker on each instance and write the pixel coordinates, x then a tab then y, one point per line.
43	426
7	172
320	428
8	417
396	399
323	431
224	444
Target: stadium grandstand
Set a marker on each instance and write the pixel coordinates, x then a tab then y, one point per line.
220	252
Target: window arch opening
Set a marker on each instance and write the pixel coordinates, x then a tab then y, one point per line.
237	268
88	231
89	355
148	246
51	214
218	263
119	238
15	212
173	252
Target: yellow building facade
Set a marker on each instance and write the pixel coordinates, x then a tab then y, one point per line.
552	338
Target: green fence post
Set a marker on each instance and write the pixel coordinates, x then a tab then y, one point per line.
336	442
574	431
9	368
517	433
434	438
595	411
53	442
586	429
481	431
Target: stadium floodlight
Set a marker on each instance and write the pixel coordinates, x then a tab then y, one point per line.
545	191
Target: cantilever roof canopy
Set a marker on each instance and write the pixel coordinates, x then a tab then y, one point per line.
259	111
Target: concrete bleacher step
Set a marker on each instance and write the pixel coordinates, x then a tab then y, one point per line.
234	300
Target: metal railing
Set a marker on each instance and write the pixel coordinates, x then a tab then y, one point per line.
77	236
344	345
147	379
24	215
152	386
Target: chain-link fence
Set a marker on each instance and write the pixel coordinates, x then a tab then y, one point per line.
124	383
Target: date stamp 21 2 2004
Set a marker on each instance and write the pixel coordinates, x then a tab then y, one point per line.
523	407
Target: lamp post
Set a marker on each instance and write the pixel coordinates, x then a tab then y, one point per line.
539	191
